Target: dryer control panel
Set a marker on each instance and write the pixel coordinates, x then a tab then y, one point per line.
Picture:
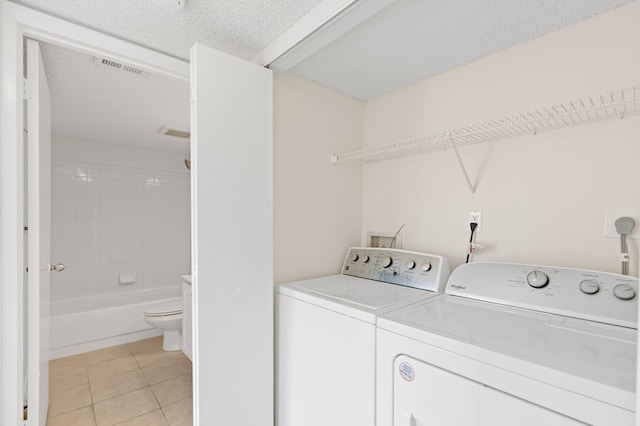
585	294
402	267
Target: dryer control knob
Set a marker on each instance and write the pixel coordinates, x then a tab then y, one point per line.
589	287
624	292
365	259
537	279
410	264
426	266
355	257
386	261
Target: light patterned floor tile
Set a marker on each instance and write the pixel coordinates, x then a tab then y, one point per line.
153	344
74	361
160	372
152	358
154	418
108	387
80	417
173	390
102	377
69	400
179	413
107	354
61	380
125	407
112	368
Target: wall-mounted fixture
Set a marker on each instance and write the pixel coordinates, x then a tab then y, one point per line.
178	133
624	226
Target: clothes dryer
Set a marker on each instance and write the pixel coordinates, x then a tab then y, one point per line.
512	344
326	333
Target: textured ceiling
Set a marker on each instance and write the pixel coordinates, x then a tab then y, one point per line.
412	40
408	41
238	27
95	102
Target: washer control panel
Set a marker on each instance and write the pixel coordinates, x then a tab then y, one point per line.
402	267
591	295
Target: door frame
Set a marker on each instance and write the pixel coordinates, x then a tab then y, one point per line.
17	22
38	303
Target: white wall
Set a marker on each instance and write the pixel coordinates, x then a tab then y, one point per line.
317	204
117	208
543	197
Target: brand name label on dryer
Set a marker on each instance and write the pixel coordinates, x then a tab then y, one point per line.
406	371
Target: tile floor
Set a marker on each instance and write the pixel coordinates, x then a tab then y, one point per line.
133	384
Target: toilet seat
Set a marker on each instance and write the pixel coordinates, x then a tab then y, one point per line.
163	309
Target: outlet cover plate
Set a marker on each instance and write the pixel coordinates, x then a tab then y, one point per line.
475	216
610	218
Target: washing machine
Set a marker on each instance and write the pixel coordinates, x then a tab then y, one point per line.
512	344
326	333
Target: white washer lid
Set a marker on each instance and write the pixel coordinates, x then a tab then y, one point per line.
357	297
170	307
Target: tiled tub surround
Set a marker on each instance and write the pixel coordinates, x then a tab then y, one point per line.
132	384
108	220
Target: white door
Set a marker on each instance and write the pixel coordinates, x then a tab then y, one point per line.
232	219
39	239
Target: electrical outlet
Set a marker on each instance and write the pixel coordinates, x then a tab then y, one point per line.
610	218
475	217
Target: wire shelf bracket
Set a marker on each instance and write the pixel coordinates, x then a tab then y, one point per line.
615	104
472	187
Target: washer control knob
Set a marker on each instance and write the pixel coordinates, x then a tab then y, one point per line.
589	287
355	257
365	259
410	264
386	261
537	279
624	292
426	266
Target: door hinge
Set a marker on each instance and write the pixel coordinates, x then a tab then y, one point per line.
25	88
26	228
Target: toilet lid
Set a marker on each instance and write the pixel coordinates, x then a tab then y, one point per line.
170	307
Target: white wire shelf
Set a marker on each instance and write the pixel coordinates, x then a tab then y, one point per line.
616	104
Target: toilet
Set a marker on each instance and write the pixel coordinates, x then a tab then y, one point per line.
167	316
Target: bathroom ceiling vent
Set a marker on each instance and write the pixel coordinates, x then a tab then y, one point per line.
104	62
168	131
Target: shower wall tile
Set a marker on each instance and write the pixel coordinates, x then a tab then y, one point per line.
109	219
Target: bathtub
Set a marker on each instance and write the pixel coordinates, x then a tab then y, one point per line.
95	322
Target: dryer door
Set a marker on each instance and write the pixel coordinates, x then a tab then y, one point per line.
424	395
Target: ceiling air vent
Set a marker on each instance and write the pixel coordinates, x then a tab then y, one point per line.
109	63
168	131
